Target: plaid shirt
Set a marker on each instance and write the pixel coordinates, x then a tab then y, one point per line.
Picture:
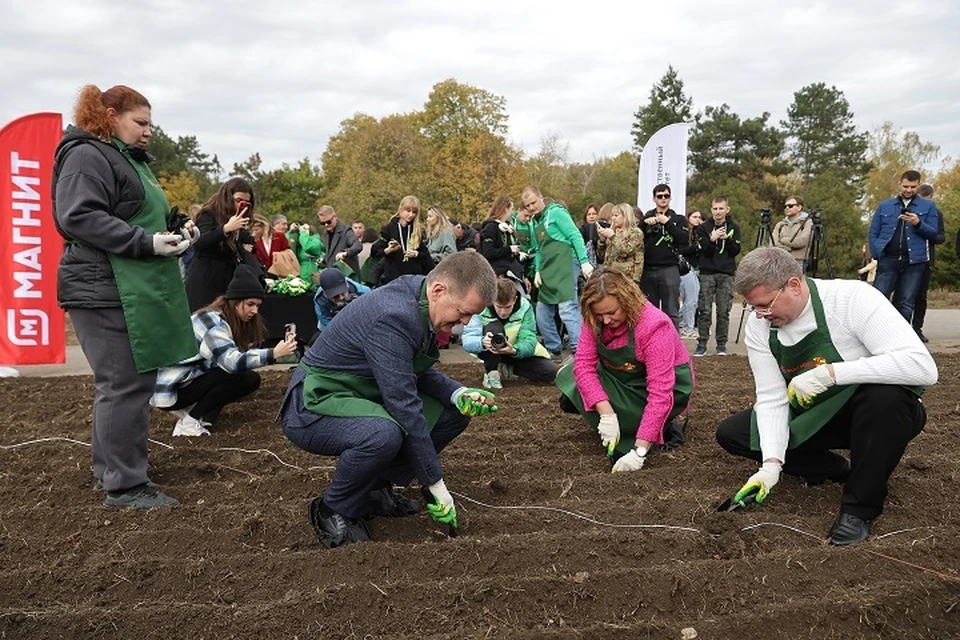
217	349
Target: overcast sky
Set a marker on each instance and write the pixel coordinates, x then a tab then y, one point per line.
278	76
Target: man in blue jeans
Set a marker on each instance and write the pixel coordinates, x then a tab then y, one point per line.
900	234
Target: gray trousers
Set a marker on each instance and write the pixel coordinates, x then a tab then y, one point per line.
121	413
717	286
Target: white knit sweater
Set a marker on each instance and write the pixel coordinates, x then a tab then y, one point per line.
877	346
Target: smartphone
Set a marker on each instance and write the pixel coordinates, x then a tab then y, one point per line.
243	206
289	331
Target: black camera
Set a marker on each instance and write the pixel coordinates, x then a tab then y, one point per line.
816	216
765	216
498	341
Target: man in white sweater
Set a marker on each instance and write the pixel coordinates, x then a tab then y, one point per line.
835	367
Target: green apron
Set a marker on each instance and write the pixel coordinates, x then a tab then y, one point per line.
151	288
556	267
525	232
345	395
625	382
813	350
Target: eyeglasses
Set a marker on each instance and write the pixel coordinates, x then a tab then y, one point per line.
790	205
766	312
661	196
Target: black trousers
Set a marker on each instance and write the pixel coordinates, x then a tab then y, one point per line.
920	302
214	390
533	368
661	285
875	425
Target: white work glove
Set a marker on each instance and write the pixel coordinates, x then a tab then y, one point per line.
609	430
808	385
190	232
586	269
537	280
633	461
523	256
169	244
442	509
760	483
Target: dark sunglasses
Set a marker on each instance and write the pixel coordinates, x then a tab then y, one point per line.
327	223
661	195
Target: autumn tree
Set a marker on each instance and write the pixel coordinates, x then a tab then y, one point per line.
183	155
667	104
454	109
946	195
182	190
891	152
822	136
291	190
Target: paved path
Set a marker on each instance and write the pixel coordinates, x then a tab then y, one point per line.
942	327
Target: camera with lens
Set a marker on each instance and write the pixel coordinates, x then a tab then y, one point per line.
765	216
816	216
498	341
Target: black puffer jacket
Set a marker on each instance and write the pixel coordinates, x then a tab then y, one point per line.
495	247
96	191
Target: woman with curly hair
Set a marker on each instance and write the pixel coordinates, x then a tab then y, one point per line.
622	242
631	375
224	223
401	247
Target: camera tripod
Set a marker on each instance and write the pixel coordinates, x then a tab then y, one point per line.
817	247
764	238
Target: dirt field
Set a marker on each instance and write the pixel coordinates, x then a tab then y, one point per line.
238	558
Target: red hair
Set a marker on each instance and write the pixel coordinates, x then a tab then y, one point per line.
90	114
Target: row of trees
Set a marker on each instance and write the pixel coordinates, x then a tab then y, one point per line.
454	152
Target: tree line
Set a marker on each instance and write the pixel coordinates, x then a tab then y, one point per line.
454	152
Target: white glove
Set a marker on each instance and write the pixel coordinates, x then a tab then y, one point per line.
609	430
586	269
633	461
537	280
439	491
761	483
808	385
190	232
523	256
169	244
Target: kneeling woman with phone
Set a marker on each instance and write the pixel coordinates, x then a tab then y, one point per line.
222	372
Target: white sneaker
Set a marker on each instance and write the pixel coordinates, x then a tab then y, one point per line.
492	380
190	426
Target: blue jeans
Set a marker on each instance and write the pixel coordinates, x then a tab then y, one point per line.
569	313
689	297
902	280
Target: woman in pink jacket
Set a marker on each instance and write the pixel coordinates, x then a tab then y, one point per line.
631	376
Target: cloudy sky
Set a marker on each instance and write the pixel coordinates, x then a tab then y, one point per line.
278	76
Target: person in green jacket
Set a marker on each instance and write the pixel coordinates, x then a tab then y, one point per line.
308	247
560	259
523	226
504	336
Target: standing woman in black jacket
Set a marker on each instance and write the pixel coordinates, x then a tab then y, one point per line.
119	278
224	221
401	247
499	244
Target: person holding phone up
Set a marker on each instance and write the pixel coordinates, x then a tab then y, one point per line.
224	223
222	372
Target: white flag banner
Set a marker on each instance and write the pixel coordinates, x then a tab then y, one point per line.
664	161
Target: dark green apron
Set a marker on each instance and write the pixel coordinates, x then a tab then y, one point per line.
151	288
556	267
525	233
345	395
813	350
625	382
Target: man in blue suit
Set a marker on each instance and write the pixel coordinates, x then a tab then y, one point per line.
901	231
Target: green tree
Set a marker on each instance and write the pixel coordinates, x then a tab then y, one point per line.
893	151
843	226
667	105
291	190
173	157
724	148
181	190
459	110
946	185
822	136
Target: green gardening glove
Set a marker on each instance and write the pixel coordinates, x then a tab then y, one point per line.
474	402
440	504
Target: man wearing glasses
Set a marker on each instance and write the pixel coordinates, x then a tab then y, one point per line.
664	234
340	241
793	232
835	367
560	259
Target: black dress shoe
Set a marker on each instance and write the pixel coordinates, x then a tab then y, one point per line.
849	529
839	475
390	504
335	530
924	339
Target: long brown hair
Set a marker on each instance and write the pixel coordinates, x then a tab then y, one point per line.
607	281
245	334
90	112
223	207
501	206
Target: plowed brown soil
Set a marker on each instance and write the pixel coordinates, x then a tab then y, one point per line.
238	558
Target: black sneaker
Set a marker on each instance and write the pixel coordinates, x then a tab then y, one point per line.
143	496
334	530
849	529
924	339
390	504
839	475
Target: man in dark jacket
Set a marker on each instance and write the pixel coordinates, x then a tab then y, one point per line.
665	233
467	237
379	404
920	307
339	240
719	245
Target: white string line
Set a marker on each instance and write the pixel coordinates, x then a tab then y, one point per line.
785	526
286	464
51	439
